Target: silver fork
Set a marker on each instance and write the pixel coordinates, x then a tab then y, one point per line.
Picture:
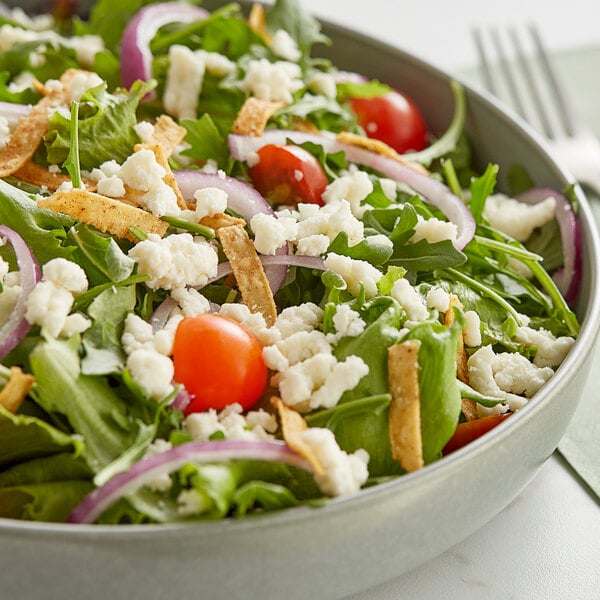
531	85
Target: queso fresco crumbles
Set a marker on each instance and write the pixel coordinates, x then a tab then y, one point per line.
237	279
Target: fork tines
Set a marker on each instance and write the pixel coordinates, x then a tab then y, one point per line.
523	73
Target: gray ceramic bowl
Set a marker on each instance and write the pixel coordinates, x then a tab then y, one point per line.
350	544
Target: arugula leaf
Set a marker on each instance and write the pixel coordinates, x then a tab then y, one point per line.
106	127
206	141
425	256
71	163
376	254
302	27
263	496
481	188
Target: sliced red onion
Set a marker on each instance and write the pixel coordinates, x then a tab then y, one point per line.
136	60
13	111
568	278
436	193
16	327
150	467
242	199
182	399
160	316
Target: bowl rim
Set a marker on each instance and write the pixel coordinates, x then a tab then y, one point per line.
585	342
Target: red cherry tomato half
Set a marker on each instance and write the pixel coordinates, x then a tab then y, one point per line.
392	118
470	430
288	175
219	362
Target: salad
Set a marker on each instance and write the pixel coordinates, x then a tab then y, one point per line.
236	279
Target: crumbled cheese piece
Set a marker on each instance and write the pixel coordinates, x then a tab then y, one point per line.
313	245
284	46
253	322
152	371
324	84
231	423
209	201
8	299
344	473
336	216
75	323
185	76
20	83
81	83
550	350
86	47
112	186
518	219
356	273
48	305
141	171
320	381
438	299
160	200
66	274
302	317
272	81
144	130
163	482
353	188
191	301
191	502
175	261
410	300
217	64
40	22
165	337
472	332
269	233
295	348
509	376
434	230
137	333
347	323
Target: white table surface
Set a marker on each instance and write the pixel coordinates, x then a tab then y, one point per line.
546	544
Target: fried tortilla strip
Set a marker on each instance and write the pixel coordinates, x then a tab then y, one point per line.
31	128
35	174
378	147
469	407
167	134
405	408
104	213
16	389
258	22
254	115
248	272
292	426
221	220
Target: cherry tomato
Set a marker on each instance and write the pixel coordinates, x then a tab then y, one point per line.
392	118
219	362
288	175
470	430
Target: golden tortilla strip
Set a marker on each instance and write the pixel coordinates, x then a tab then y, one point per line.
469	409
258	22
31	128
254	116
16	389
35	174
167	134
378	147
462	371
104	213
292	426
248	272
405	408
221	220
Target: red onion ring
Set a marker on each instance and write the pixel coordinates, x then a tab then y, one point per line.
568	278
150	467
16	327
241	198
160	316
13	111
135	44
182	399
436	193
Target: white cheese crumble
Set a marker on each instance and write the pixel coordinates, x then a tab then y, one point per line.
184	82
344	473
324	84
518	219
270	233
410	300
550	351
273	81
152	371
295	348
438	299
175	261
356	273
284	46
160	200
472	332
434	230
353	188
210	201
4	132
141	171
347	323
112	186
